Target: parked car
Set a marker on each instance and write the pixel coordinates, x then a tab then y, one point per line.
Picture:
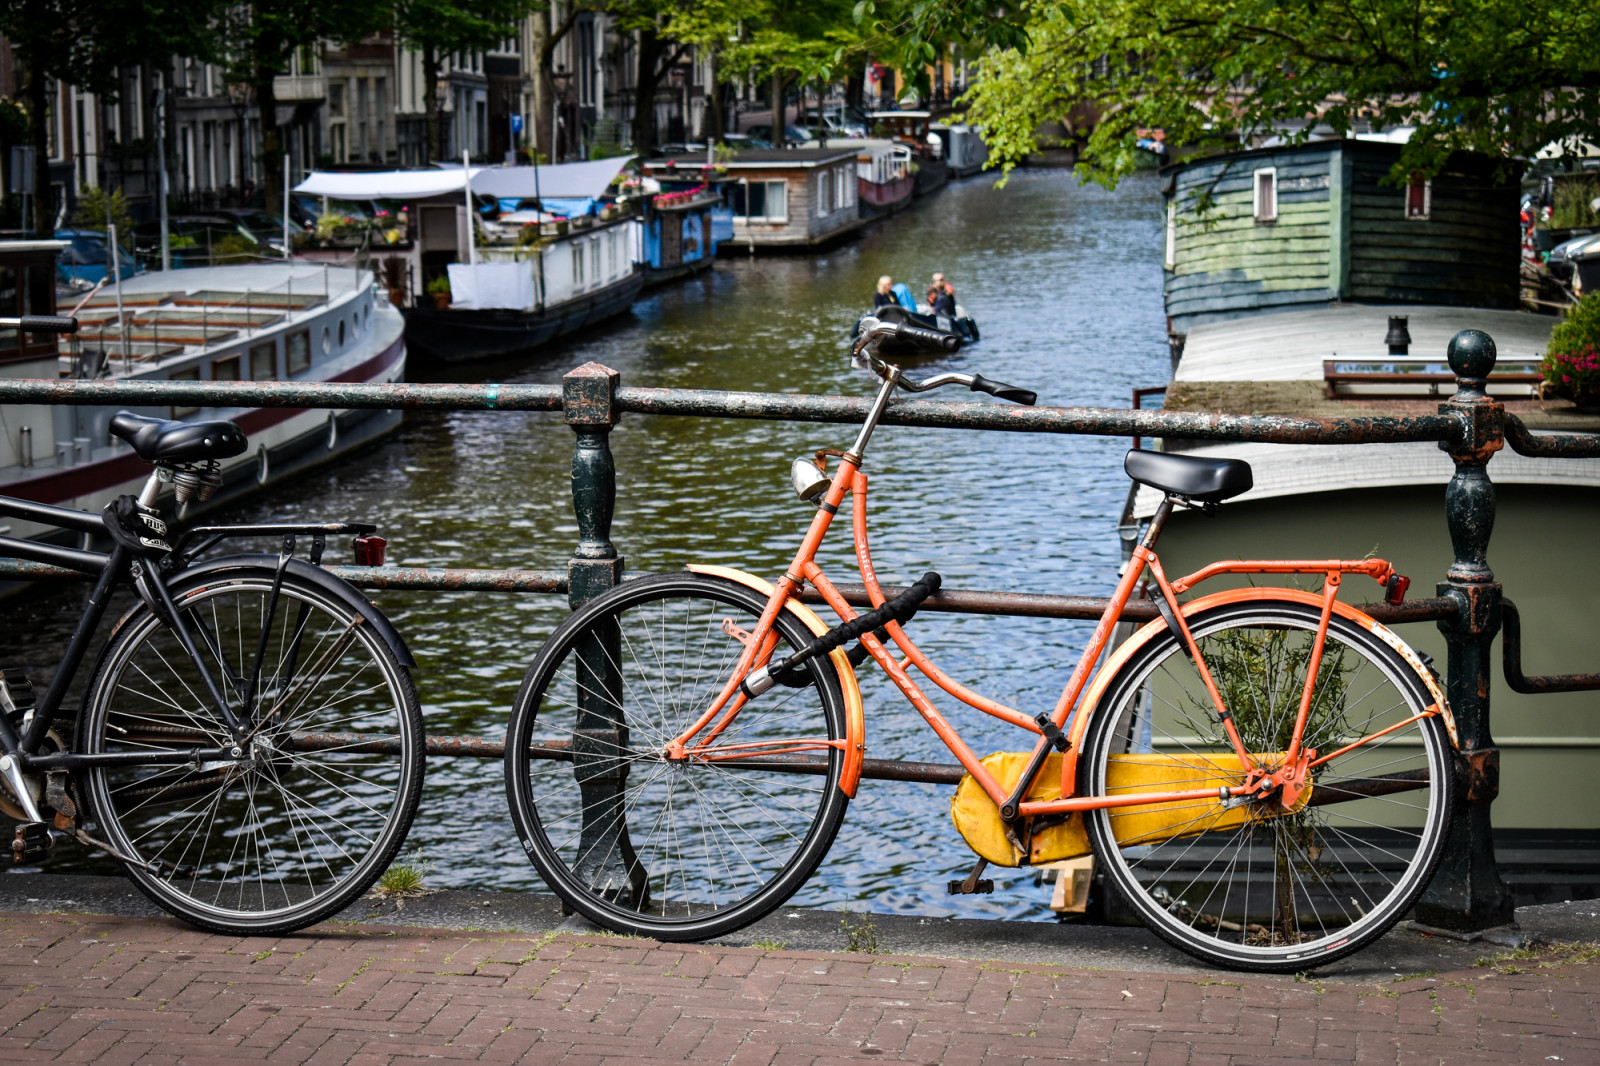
87	259
792	134
1562	255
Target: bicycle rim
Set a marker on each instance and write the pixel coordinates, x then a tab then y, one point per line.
1260	885
313	816
675	849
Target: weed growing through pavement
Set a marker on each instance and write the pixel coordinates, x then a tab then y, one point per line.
861	936
1545	955
403	880
771	945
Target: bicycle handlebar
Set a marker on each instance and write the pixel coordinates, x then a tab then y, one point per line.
41	324
873	331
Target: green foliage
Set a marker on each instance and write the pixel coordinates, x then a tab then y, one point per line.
453	26
439	286
91	213
404	879
1575	201
237	248
861	933
1571	364
1503	77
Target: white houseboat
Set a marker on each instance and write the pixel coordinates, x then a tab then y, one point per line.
259	322
794	199
506	289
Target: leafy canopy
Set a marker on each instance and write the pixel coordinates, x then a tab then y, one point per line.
1504	77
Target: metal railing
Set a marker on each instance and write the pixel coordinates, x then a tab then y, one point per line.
1466	893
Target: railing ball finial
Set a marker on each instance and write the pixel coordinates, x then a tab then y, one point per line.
1472	356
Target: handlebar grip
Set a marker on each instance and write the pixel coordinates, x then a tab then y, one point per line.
41	324
1026	397
931	339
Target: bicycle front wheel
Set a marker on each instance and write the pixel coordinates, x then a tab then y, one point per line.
676	849
1262	885
322	800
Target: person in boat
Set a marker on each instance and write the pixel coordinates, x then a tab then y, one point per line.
884	295
941	299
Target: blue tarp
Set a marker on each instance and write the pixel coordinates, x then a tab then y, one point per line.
902	295
571	207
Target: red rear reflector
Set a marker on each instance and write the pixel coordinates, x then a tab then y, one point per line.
1397	589
370	550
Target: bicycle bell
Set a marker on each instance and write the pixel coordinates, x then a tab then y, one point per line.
811	481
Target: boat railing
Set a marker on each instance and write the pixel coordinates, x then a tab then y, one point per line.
1471	426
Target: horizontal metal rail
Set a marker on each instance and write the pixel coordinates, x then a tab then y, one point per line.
944	414
1550	445
1511	661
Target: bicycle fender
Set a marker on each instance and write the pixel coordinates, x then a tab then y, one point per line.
1151	629
855	715
338	588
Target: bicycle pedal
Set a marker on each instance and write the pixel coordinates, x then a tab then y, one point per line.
983	887
31	842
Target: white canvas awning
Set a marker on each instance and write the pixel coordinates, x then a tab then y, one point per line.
563	181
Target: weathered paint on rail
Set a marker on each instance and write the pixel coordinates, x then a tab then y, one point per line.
395	395
1524	441
1511	661
444	579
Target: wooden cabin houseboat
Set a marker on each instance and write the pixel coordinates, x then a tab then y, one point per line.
258	322
469	292
912	129
794	199
1314	290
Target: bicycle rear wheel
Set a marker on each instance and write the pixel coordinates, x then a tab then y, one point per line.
1255	885
322	802
673	849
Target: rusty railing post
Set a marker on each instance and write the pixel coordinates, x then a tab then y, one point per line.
605	857
1467	892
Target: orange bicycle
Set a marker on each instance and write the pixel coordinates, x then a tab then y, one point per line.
1263	772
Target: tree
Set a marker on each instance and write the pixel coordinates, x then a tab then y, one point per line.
84	43
438	28
792	43
1504	77
259	39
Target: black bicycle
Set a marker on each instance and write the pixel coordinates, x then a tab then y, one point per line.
249	743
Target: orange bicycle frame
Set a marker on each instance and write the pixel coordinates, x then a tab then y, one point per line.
698	740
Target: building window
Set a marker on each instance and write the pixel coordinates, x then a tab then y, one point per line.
1172	233
225	369
264	362
761	201
298	348
1419	198
1266	195
577	264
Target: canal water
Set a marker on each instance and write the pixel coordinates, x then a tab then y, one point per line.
1065	282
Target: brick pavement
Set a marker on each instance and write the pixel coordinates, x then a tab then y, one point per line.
113	990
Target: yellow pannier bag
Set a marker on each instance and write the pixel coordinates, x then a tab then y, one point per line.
978	820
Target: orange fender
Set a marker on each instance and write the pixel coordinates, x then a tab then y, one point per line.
855	717
1151	629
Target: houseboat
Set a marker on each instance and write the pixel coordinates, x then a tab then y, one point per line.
682	218
912	129
471	291
782	200
964	150
885	175
259	322
1310	288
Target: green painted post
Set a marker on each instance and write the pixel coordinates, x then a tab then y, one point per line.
1467	892
606	858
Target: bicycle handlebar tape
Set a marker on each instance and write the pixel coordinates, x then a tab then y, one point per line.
44	323
931	339
1026	397
899	609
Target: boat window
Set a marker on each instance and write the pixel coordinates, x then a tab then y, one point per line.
762	201
366	314
264	362
188	374
297	346
327	340
825	204
1266	195
577	264
225	369
341	336
1419	198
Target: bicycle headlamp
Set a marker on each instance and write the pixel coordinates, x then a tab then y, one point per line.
810	482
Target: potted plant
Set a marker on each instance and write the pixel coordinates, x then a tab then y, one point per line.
1571	365
439	289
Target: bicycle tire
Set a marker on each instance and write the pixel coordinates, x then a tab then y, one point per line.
314	817
704	848
1264	889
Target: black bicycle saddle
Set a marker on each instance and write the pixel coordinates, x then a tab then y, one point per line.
1202	480
157	440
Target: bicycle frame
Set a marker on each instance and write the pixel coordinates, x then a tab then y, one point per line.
698	740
